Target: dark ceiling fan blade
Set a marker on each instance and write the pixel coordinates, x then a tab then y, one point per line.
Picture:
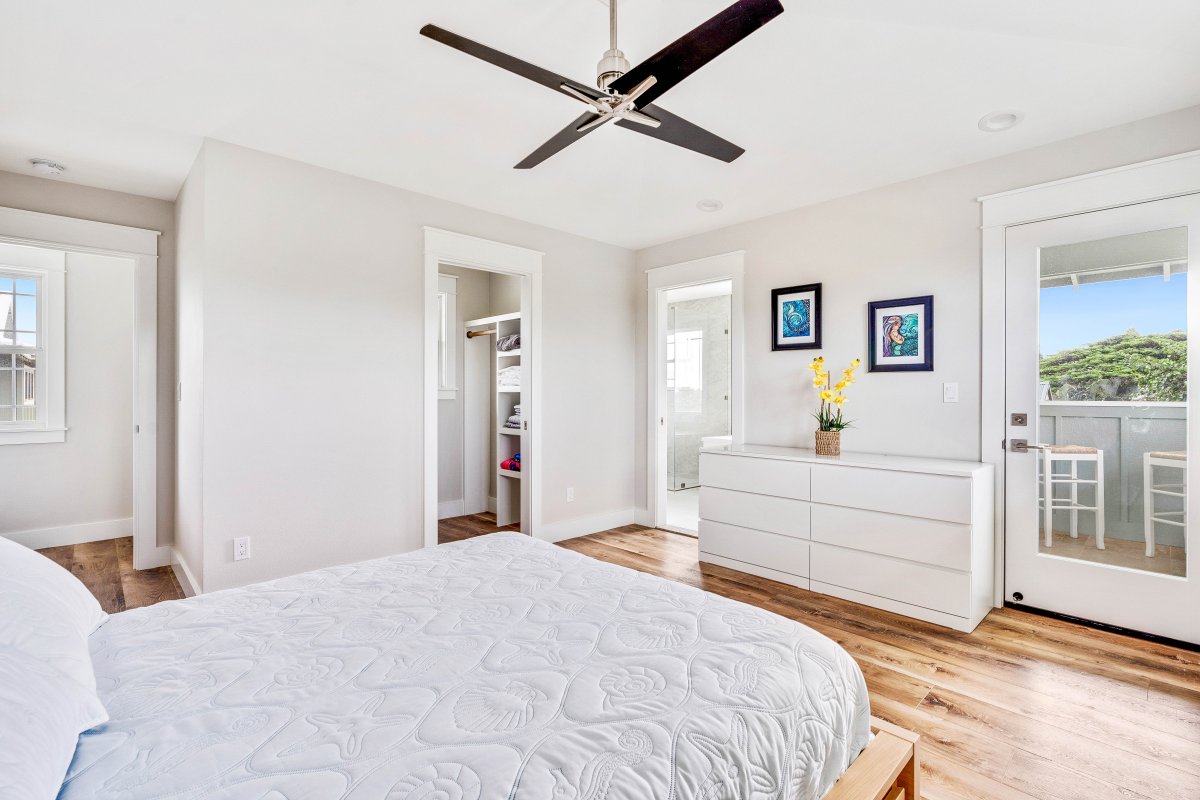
514	65
685	55
561	140
679	131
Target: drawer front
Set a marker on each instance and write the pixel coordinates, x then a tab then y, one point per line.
781	553
780	515
928	587
758	475
917	495
945	544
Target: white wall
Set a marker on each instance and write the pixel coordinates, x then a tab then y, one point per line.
71	200
190	217
913	238
88	479
308	273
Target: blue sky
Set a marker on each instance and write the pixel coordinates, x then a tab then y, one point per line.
1073	317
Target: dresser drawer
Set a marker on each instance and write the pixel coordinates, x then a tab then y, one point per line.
914	494
944	544
757	475
782	553
927	587
780	515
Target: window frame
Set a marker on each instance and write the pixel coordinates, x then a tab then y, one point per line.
48	268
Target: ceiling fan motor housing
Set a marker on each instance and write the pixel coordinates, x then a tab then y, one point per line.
612	66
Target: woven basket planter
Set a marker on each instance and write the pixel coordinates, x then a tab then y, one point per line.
829	443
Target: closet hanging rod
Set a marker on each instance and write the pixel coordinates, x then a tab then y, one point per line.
473	334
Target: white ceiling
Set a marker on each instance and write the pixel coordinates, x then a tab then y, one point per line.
833	97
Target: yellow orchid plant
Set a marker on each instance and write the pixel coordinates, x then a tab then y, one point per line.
829	418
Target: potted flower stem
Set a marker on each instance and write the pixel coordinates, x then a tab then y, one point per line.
830	422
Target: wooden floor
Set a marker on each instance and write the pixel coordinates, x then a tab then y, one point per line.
455	529
106	568
1024	707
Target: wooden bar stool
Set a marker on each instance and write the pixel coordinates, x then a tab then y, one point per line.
1073	455
1151	491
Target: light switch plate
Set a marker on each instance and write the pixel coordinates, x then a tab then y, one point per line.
949	392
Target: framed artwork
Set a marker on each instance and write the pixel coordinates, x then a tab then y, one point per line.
900	335
796	318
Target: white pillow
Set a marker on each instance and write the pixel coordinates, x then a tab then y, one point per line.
46	611
44	713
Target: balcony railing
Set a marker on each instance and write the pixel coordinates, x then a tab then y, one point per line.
1125	431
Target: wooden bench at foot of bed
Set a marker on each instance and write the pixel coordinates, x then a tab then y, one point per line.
888	769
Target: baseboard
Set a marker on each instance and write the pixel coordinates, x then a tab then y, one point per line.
73	534
452	508
582	526
187	581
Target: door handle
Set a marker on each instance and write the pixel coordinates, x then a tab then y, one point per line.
1023	446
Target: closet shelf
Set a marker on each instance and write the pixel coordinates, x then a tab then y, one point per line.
509	389
508	473
508	353
509	431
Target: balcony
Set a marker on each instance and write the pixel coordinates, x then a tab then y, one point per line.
1125	431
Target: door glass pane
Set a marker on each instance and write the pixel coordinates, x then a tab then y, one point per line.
1113	400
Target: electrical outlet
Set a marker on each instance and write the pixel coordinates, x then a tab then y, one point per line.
241	548
949	392
570	494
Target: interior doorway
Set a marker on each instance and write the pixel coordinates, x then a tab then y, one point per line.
84	243
695	379
483	367
481	427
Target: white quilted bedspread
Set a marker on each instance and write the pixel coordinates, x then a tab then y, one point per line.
498	667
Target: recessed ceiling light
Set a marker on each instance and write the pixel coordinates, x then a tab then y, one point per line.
1001	121
710	205
47	168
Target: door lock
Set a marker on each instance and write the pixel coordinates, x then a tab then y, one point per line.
1019	420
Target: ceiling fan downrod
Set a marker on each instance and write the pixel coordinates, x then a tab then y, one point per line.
614	64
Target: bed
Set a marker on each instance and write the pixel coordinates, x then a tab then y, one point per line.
496	667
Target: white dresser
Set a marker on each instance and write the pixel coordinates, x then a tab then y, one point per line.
909	535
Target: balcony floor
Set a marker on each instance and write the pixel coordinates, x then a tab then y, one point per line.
1168	560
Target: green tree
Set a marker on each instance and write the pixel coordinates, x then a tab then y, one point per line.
1151	368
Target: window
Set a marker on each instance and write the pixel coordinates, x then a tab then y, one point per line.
447	343
31	345
19	353
685	369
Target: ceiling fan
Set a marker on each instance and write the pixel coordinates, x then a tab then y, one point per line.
626	96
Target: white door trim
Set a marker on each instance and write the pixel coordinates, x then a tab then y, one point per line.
18	226
727	266
1095	191
461	250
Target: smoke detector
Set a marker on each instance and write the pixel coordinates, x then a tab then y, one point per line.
47	168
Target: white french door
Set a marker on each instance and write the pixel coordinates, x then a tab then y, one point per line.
1099	485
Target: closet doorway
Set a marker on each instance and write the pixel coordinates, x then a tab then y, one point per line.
482	388
695	386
